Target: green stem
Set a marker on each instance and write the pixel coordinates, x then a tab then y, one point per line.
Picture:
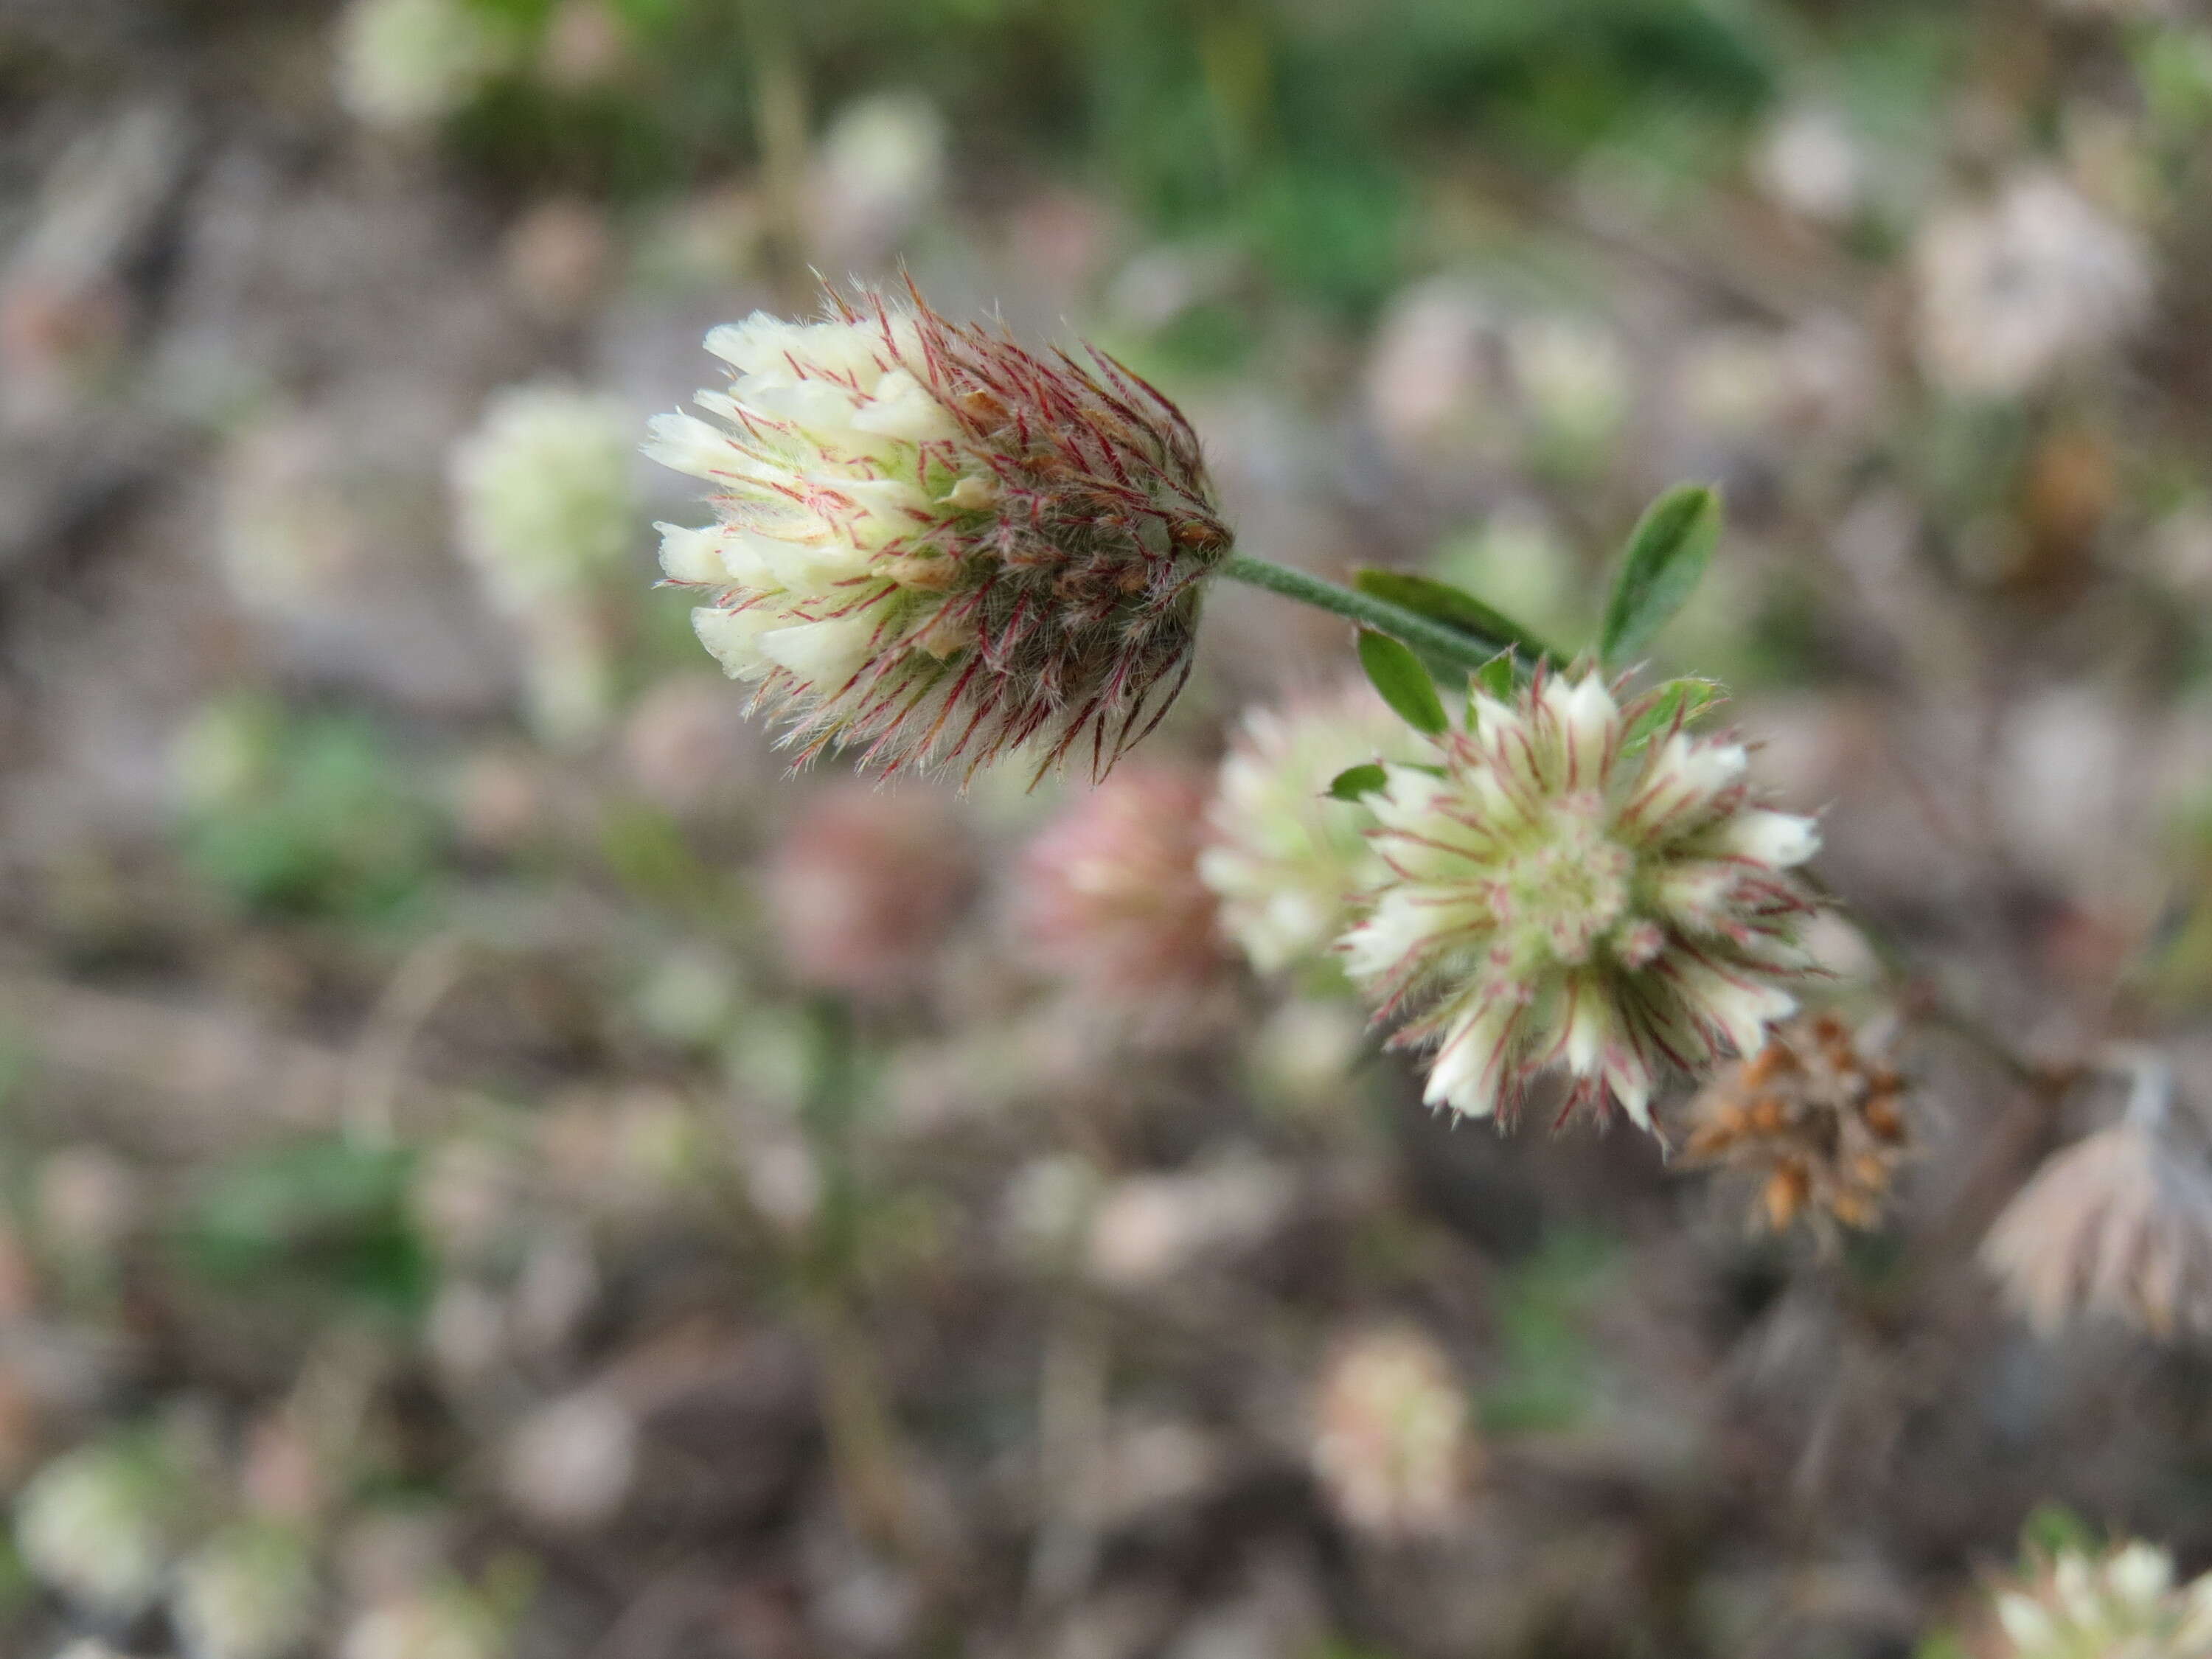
1457	646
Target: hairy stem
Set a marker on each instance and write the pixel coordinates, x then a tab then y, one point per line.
1458	646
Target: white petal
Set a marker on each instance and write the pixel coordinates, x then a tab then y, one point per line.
903	408
2026	1625
1398	926
688	445
824	655
2141	1574
1469	1068
1742	1012
1590	720
1776	840
733	638
692	556
757	345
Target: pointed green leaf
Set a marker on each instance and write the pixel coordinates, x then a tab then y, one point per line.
1404	684
1685	697
1455	608
1667	552
1494	679
1354	781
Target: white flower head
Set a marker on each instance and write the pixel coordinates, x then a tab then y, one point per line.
98	1524
542	493
2119	1604
1561	898
1284	858
248	1592
935	547
2013	290
409	63
1392	1440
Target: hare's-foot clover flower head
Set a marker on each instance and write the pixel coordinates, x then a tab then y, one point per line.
2120	1223
248	1592
1110	901
1284	858
2122	1602
408	63
99	1523
1559	895
935	547
863	887
1819	1124
542	489
1392	1442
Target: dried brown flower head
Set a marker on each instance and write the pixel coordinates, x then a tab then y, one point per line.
1817	1123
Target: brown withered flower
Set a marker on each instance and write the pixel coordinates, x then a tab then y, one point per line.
1819	1124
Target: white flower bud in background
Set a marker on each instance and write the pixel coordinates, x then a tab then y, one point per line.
1285	860
1391	1444
100	1523
405	63
2017	288
688	748
451	1622
248	1592
1145	1229
880	169
1556	900
544	508
2121	1604
862	886
1572	376
1303	1054
542	493
571	1462
1809	163
936	547
1109	900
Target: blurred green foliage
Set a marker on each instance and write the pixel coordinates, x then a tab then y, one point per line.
1551	1380
306	815
317	1221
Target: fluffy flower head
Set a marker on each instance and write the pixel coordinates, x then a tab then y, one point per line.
2123	1604
97	1523
1283	858
2118	1222
2013	290
1392	1442
1108	899
1560	896
407	63
543	489
936	547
